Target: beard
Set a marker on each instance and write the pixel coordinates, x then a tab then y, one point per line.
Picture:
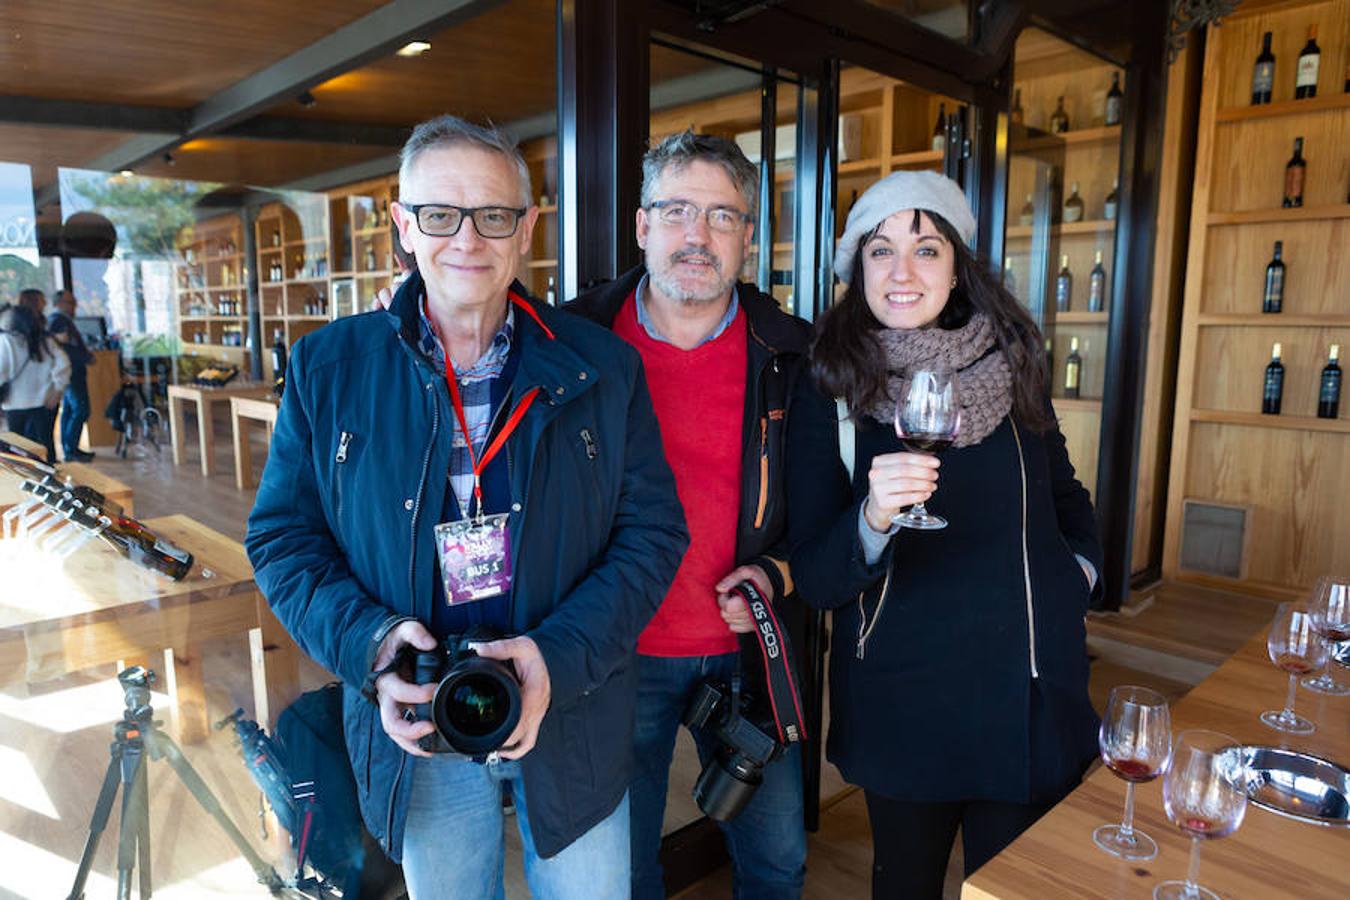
668	283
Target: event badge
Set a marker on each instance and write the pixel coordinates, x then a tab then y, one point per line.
475	558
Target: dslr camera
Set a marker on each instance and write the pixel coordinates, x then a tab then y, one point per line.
750	733
477	701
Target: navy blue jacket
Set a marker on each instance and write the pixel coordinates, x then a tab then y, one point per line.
958	665
341	541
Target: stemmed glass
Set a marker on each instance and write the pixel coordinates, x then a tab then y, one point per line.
1136	743
1297	649
1204	794
927	419
1330	608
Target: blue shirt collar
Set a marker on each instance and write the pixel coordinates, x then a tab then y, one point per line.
649	326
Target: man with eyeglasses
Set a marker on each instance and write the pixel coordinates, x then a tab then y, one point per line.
469	458
721	358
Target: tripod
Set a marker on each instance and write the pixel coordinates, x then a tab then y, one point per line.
133	737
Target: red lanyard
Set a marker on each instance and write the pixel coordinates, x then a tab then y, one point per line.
481	463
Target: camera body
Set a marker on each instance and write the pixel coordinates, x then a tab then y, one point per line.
477	701
746	744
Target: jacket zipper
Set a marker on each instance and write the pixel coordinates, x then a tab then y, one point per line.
344	440
864	628
763	471
1026	564
412	587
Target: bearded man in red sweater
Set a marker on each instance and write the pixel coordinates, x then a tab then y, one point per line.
720	359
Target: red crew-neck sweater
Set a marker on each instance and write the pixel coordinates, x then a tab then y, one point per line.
699	397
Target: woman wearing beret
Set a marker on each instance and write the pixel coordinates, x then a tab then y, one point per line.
958	668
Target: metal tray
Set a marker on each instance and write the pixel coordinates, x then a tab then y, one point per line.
1298	785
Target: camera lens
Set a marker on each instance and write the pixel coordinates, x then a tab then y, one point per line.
477	705
726	784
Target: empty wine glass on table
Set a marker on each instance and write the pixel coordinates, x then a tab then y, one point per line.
1330	609
927	419
1136	743
1299	650
1205	795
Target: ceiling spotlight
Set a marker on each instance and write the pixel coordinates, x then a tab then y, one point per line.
306	100
414	48
126	173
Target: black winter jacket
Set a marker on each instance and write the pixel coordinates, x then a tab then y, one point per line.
776	358
958	665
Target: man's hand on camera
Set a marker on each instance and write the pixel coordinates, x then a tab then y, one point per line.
735	611
398	697
535	689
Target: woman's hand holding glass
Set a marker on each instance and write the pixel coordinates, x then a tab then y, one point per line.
897	481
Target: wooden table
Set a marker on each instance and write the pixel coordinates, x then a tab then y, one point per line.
100	608
1269	856
205	398
80	473
242	411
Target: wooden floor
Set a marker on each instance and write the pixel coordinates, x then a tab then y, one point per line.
54	737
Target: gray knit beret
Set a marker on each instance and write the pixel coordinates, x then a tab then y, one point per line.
928	191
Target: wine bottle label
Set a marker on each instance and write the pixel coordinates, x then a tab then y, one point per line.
1293	183
1073	212
1331	387
1275	286
1096	289
1062	289
1071	376
1263	78
939	143
1110	211
171	551
1112	110
1307	70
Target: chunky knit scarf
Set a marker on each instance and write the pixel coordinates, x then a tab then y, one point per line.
984	378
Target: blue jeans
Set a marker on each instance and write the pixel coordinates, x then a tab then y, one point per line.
453	845
73	417
767	841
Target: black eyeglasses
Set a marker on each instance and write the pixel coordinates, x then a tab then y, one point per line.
443	220
682	213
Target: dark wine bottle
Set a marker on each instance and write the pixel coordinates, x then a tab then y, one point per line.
1273	390
1295	173
1112	204
1329	390
940	129
1263	76
278	361
1064	285
1073	206
1073	371
1017	116
1309	64
1272	301
145	548
1097	286
1115	100
1028	213
1059	119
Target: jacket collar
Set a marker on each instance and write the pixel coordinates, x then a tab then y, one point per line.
547	362
769	325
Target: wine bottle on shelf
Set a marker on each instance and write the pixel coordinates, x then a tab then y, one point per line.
1295	173
370	257
1309	64
1273	390
278	362
1115	100
1073	371
940	129
1063	285
1097	286
1263	75
1017	116
1028	214
1329	390
1073	206
1059	119
1272	299
145	548
276	237
1112	204
551	292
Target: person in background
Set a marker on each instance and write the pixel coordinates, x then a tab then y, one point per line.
61	326
35	369
721	359
959	670
469	458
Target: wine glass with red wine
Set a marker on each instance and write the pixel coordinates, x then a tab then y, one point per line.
1330	608
927	419
1136	743
1296	648
1205	795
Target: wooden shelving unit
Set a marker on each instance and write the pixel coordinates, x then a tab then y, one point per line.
294	258
210	298
1290	470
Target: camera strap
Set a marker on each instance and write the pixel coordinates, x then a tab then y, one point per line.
780	684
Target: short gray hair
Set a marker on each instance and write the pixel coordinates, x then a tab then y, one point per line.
679	150
448	131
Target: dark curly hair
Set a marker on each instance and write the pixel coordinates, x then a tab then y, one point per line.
847	360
